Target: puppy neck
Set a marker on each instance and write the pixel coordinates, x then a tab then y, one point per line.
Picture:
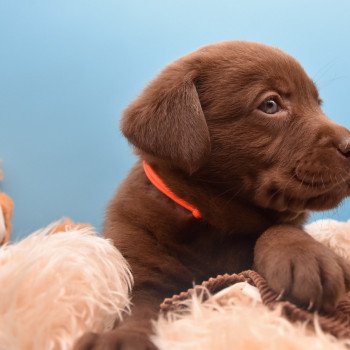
227	215
162	187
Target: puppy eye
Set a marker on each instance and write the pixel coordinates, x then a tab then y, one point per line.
270	106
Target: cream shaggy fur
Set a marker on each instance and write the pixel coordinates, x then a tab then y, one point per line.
334	234
54	287
236	319
238	325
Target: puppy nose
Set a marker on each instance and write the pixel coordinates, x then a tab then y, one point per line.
344	147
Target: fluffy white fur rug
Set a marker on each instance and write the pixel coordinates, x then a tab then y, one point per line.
54	287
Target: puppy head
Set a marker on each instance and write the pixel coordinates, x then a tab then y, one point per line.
245	117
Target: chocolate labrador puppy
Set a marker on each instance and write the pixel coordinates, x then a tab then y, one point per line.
235	152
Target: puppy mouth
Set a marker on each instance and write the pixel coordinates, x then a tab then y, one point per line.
318	191
301	190
315	181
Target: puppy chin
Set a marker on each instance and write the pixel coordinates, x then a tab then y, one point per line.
283	203
326	201
283	193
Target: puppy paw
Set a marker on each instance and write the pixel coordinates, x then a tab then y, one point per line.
304	272
118	339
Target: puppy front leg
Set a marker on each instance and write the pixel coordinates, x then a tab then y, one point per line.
133	333
300	268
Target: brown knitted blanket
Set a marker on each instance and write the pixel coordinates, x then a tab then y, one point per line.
336	323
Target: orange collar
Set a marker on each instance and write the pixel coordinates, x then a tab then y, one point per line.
162	187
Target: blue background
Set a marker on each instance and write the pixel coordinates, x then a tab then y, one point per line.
69	67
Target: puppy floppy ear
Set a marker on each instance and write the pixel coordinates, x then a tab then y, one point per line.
167	121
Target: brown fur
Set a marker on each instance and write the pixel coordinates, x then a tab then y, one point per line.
254	176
